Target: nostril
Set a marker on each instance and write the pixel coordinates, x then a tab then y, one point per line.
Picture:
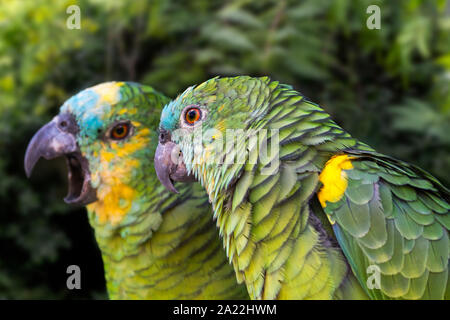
164	136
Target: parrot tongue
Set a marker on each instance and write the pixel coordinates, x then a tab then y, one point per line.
80	190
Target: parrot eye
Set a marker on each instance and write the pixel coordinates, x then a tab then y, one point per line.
192	115
120	131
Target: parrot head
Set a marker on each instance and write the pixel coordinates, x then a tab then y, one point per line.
196	130
106	133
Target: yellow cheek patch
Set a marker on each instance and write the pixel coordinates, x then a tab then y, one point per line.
136	143
114	203
115	196
334	179
106	156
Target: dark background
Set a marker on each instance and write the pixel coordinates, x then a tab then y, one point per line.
388	87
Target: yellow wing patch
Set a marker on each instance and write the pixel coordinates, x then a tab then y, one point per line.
334	179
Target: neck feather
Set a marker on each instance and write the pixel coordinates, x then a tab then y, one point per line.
263	206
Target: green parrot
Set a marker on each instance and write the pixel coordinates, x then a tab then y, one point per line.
154	244
305	210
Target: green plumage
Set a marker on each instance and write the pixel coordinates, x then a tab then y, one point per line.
155	244
182	259
398	232
294	230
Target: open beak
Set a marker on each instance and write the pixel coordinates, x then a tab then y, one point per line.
56	139
169	165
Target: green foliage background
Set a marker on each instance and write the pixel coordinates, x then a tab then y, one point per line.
388	87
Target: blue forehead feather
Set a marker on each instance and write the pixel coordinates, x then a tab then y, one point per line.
85	107
171	113
169	116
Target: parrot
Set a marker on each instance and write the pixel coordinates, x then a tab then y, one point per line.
154	244
305	211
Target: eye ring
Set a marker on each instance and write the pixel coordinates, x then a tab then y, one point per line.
192	115
120	131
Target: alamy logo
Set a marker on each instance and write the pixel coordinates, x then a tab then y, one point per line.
374	20
236	146
74	280
373	281
74	20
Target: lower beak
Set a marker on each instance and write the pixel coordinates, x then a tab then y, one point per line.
54	140
169	165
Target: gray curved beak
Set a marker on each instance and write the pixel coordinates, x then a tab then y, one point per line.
49	142
56	139
164	165
169	165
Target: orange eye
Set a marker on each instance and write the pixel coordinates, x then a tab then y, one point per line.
120	131
192	115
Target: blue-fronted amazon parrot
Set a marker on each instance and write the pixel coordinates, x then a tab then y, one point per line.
305	210
154	244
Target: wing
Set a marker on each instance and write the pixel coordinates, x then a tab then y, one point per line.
393	221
